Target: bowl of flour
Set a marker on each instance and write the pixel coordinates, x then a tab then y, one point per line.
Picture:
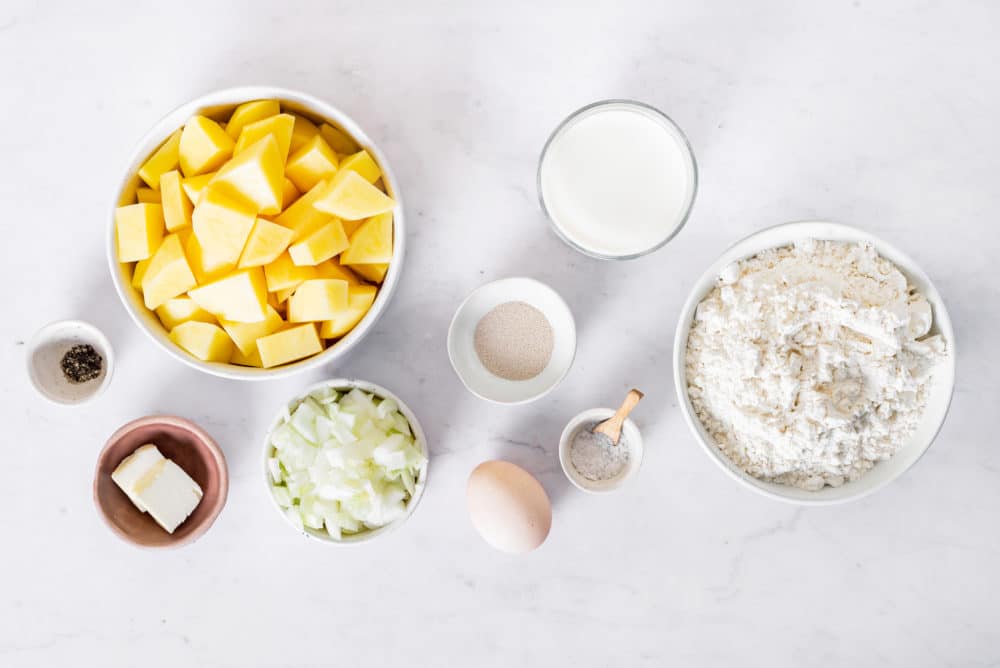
814	363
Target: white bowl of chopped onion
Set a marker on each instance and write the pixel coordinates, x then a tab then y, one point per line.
345	461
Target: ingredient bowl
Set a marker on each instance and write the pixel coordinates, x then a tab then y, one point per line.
630	436
192	449
45	354
221	102
461	340
343	386
940	389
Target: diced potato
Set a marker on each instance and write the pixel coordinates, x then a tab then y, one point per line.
321	245
182	309
318	299
240	296
338	140
371	243
204	146
196	185
254	176
251	112
266	243
205	267
362	163
283	274
253	359
347	195
280	127
163	160
245	334
168	274
289	193
147	196
139	228
371	272
289	345
204	340
333	269
311	163
303	131
176	205
138	271
222	225
281	296
359	300
301	217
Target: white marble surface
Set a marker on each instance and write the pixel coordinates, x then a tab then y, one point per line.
880	114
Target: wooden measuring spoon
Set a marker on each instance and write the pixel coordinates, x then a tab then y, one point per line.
612	427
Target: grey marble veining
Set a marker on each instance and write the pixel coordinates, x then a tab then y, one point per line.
878	114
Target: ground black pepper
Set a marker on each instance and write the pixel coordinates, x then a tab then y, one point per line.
81	363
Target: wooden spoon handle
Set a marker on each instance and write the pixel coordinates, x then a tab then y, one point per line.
612	427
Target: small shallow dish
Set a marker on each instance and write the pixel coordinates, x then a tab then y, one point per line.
345	385
216	103
461	340
630	435
45	353
192	449
941	388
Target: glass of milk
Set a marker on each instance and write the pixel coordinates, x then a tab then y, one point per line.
617	179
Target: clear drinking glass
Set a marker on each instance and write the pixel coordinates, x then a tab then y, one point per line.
649	112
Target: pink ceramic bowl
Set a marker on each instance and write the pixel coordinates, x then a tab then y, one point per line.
192	449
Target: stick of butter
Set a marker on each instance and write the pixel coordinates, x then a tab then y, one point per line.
158	486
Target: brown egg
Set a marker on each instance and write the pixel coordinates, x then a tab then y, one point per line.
508	507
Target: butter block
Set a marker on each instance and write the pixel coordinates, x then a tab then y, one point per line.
171	496
133	471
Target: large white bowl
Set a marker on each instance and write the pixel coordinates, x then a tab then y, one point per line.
216	103
343	384
941	387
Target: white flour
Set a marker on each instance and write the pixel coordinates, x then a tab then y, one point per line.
809	363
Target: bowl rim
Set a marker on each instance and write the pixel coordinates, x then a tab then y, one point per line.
418	433
613	484
204	439
900	259
449	342
234	96
95	337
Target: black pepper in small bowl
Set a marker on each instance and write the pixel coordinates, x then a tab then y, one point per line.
82	363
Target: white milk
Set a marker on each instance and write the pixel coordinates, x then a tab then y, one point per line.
617	179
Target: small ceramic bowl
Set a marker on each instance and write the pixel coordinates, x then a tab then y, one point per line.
345	385
939	392
461	340
192	449
45	353
631	437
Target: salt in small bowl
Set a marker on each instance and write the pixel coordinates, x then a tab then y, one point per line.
461	340
45	353
631	438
